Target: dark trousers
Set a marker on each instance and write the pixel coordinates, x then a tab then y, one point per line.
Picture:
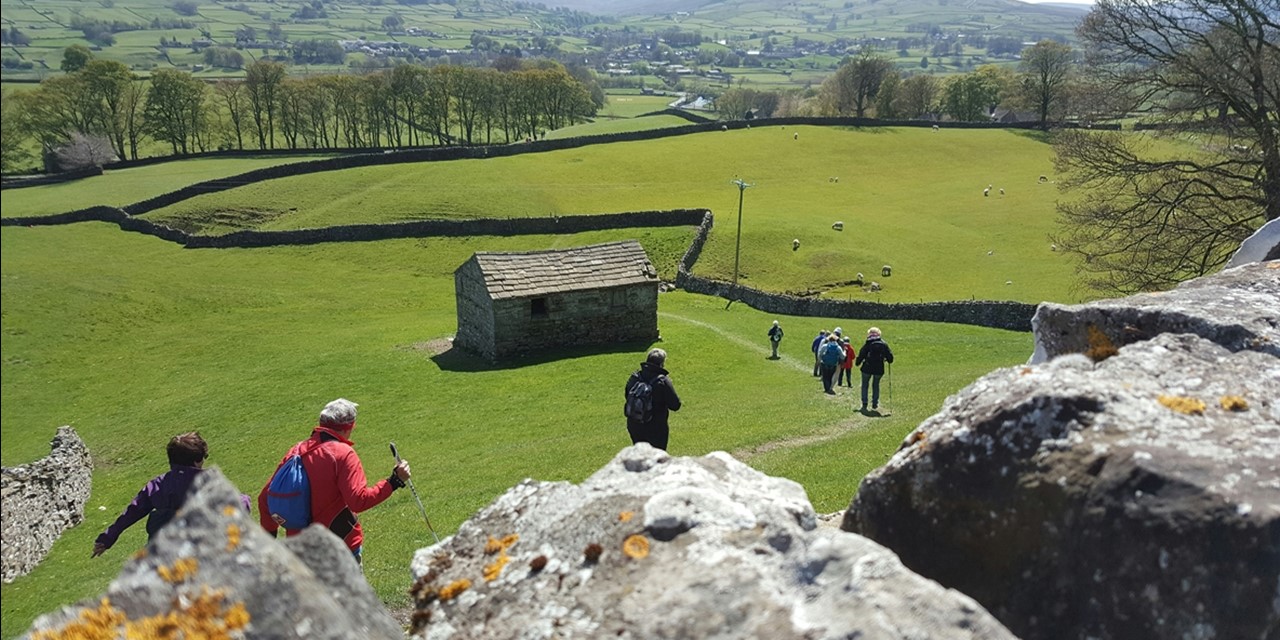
874	379
653	433
845	377
828	375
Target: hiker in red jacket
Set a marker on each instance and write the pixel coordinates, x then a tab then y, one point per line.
339	489
846	368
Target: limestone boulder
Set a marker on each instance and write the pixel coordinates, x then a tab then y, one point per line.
652	546
213	572
1133	498
1263	245
1238	308
41	500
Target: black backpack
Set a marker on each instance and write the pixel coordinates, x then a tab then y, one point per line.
639	406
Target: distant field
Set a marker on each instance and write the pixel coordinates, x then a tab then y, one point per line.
131	339
908	197
603	126
126	186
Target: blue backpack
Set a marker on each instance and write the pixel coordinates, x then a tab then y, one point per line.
289	495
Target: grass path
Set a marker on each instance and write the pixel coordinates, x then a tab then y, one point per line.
739	340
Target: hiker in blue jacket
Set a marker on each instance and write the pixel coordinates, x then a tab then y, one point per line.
652	427
875	352
817	342
831	354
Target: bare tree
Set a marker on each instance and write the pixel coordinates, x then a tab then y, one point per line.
1046	69
82	151
1209	71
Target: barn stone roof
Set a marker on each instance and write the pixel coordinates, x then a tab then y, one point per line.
539	273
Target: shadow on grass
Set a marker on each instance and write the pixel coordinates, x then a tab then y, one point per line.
1038	135
455	359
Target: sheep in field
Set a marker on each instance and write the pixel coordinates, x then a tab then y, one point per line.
886	271
795	244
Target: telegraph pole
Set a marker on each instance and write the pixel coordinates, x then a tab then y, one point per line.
737	246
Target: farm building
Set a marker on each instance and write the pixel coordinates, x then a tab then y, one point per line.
510	304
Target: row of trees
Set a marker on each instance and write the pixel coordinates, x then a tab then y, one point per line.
408	105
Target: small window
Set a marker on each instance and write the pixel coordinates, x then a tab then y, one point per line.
538	307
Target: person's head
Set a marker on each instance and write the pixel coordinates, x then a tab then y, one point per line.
775	323
838	331
873	332
656	357
187	449
833	338
845	340
822	332
339	415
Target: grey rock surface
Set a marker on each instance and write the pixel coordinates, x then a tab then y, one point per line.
687	548
332	563
1238	308
1263	245
213	567
1134	498
41	500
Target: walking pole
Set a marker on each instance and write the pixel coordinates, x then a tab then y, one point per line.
889	405
414	491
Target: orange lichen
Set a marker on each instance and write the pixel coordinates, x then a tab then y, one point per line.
626	516
229	510
182	569
1100	346
453	589
203	617
494	569
140	554
1181	404
1233	403
233	536
495	545
636	546
592	553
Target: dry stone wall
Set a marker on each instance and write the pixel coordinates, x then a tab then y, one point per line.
43	499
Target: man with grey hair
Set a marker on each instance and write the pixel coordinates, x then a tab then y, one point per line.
651	386
339	489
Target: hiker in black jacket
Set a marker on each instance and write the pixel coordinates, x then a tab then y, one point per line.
875	352
654	429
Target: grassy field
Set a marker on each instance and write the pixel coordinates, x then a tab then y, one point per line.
126	186
131	339
618	125
908	197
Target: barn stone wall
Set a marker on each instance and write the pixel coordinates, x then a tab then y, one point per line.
475	311
590	317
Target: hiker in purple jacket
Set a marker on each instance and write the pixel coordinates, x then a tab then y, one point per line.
161	498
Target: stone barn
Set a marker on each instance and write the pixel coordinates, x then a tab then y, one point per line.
510	304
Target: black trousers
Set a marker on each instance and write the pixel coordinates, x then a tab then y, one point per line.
653	433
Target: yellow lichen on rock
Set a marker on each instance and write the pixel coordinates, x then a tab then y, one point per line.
1233	403
228	511
1100	346
495	545
233	536
1182	404
626	516
201	618
636	546
182	569
494	569
451	590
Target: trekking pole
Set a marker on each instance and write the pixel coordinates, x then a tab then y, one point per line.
414	491
889	405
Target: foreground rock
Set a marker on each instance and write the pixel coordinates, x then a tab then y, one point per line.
1238	309
652	546
41	500
1138	497
213	572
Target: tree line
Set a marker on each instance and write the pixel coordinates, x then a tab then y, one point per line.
408	105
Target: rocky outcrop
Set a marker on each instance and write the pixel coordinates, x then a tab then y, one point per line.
41	500
1137	497
1263	245
1238	309
214	571
652	546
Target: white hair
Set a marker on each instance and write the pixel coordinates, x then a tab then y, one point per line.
340	412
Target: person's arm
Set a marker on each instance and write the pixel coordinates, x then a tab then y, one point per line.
888	354
353	485
137	510
861	356
264	513
673	400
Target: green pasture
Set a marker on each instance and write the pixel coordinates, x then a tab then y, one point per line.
131	339
908	197
630	105
125	186
603	126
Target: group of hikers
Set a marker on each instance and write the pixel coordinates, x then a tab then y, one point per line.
834	358
325	478
321	479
